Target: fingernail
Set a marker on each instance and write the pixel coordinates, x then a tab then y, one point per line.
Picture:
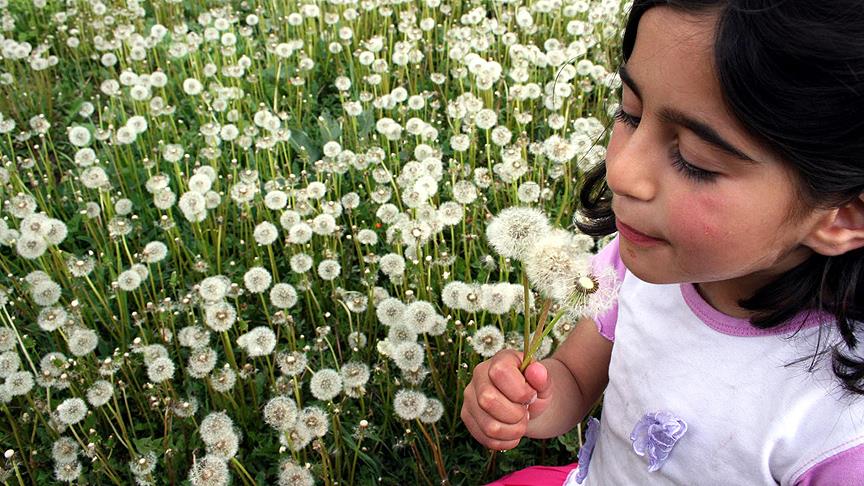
533	399
529	415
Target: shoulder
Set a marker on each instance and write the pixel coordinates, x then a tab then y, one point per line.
608	267
842	467
827	423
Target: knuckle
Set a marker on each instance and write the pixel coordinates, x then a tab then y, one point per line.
493	429
496	373
486	400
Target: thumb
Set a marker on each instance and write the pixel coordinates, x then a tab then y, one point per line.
538	377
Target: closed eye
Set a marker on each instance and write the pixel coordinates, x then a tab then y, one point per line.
626	118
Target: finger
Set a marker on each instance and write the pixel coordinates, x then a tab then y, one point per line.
490	400
499	430
477	433
539	379
505	375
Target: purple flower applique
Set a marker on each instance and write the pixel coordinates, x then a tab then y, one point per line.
655	434
584	455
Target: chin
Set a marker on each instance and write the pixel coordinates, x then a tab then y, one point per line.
648	273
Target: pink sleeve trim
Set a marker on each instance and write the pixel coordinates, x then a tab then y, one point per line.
609	256
843	469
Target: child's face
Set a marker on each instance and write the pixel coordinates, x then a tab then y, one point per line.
716	201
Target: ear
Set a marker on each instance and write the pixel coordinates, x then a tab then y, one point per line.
840	230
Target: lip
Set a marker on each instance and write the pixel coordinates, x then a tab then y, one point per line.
635	236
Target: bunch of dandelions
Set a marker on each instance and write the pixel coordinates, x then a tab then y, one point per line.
556	263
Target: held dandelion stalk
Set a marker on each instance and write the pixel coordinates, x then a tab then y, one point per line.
557	264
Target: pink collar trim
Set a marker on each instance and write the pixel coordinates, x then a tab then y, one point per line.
734	326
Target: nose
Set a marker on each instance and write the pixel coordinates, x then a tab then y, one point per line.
631	163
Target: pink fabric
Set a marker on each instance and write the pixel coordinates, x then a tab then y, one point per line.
843	469
536	476
609	256
732	326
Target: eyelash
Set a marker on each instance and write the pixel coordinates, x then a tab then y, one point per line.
690	171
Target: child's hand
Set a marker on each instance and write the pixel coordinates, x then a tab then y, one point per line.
500	400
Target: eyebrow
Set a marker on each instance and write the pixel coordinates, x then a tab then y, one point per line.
700	129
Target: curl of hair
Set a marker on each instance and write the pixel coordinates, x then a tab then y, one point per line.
792	72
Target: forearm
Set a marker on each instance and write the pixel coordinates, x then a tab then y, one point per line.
567	407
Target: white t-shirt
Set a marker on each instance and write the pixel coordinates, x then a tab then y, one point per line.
717	397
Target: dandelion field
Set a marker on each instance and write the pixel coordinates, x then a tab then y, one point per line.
245	242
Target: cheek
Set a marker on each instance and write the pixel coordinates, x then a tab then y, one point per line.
697	221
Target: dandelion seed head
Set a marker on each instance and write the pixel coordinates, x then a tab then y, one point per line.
67	472
554	267
31	246
516	229
354	374
100	393
144	465
281	412
487	341
433	411
265	233
367	237
71	411
185	408
497	298
260	341
409	404
257	280
283	296
9	363
209	471
420	315
79	136
291	474
85	157
154	252
52	363
289	218
129	280
325	384
223	380
357	340
408	355
291	363
83	342
19	383
214	289
300	263
329	269
202	360
225	446
401	332
300	233
315	420
7	338
355	301
392	264
297	437
161	369
65	450
45	293
214	425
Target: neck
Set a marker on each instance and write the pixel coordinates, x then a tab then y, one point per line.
724	295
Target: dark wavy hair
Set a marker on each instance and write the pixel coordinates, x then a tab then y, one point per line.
792	72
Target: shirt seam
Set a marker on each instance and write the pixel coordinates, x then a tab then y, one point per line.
822	456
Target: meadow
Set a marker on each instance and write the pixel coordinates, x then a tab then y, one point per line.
245	242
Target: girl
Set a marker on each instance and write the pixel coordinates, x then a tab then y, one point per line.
734	178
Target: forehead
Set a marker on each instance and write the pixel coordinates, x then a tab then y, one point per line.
673	65
674	55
